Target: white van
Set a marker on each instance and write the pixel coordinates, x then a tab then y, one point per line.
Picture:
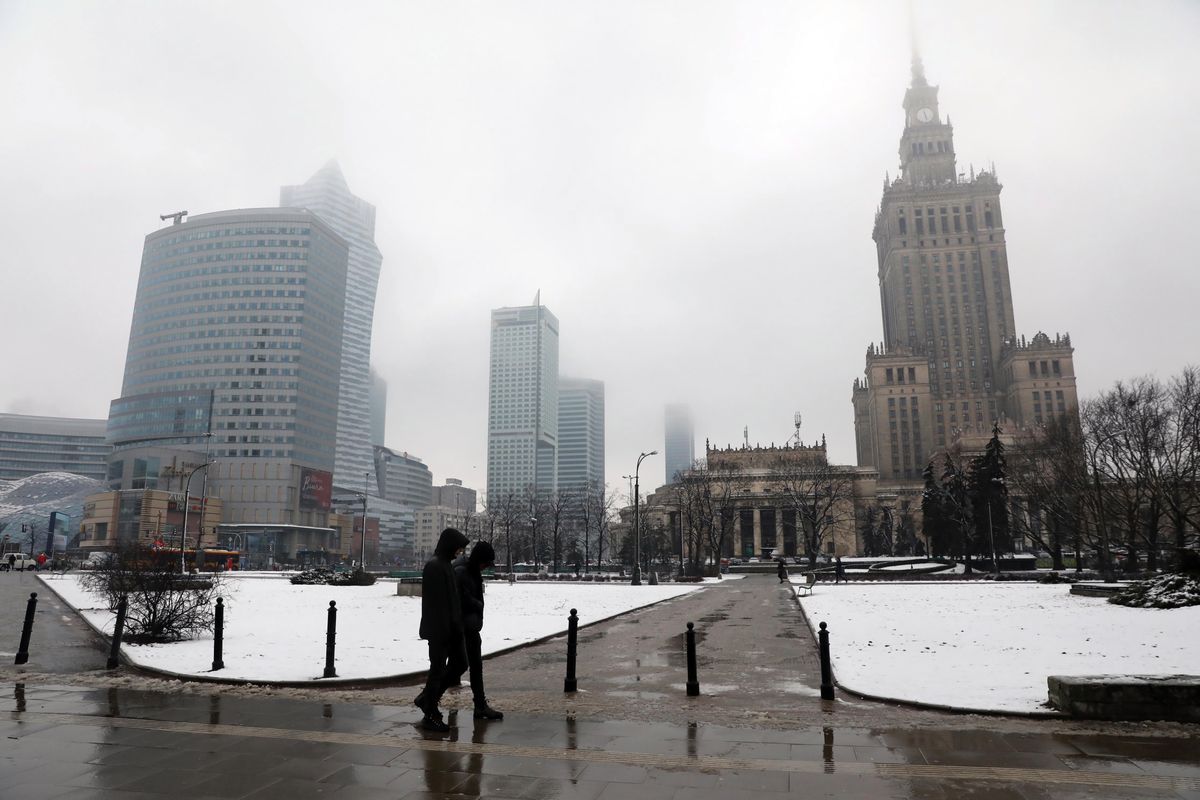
22	561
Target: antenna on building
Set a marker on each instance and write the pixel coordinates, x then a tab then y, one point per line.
796	422
746	436
177	216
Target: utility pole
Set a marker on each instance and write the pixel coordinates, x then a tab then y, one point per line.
362	564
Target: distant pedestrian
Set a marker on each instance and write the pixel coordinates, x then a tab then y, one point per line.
839	572
468	571
41	561
12	561
441	624
782	571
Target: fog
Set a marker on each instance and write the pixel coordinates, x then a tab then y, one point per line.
690	185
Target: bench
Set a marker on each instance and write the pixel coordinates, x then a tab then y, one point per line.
810	580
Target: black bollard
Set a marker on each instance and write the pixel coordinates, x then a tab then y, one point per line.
330	639
693	683
114	653
27	629
219	636
826	666
569	685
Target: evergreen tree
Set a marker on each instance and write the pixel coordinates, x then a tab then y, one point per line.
989	494
959	510
935	517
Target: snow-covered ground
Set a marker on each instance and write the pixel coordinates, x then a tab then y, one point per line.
991	646
275	631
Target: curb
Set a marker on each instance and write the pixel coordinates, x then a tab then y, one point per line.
341	683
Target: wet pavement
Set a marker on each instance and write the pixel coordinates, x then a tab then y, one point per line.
757	730
61	643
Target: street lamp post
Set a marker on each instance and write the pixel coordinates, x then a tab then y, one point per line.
991	534
187	486
679	520
362	563
637	522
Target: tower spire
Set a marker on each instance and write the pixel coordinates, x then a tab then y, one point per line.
918	66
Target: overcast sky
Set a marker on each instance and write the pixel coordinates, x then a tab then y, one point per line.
691	185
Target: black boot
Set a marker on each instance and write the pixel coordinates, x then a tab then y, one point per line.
433	722
485	711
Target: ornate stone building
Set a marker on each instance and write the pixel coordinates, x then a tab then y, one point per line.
951	363
764	498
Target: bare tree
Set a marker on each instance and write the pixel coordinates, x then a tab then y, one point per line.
504	510
162	604
1178	473
822	496
692	496
1050	489
593	507
558	507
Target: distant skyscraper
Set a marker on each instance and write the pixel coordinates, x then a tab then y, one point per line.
233	354
680	444
378	409
523	401
327	194
580	432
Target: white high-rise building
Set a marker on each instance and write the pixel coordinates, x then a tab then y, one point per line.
327	194
580	432
523	402
680	444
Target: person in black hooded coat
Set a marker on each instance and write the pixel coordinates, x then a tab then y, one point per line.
441	623
468	570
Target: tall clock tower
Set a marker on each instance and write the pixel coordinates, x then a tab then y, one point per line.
927	144
945	369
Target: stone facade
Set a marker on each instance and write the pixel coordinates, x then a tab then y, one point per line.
760	514
951	363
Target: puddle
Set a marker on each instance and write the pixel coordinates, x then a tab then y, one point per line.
640	695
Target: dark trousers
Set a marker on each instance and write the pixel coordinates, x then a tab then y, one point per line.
443	654
471	659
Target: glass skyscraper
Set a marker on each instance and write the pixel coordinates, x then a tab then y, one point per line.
327	194
523	402
680	440
580	432
233	353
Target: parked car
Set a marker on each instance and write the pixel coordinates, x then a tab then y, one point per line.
22	561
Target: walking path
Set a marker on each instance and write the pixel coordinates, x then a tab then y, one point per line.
757	730
62	643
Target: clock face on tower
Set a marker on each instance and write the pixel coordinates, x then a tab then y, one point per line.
924	114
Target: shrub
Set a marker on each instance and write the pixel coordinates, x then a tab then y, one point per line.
161	606
324	576
358	577
1054	577
1165	591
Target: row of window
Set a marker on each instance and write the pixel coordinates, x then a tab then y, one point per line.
951	219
